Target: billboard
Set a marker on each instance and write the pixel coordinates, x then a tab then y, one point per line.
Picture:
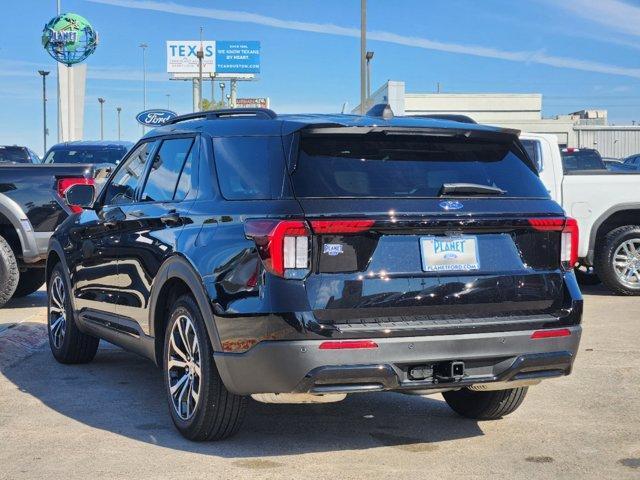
237	57
182	56
223	57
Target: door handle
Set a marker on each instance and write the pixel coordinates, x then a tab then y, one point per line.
170	219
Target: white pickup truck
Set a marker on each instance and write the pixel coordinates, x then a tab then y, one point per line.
607	207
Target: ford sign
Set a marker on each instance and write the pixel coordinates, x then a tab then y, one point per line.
155	118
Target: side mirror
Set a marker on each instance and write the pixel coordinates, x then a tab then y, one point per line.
80	195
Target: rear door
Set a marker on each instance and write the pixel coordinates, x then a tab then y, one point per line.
153	223
427	230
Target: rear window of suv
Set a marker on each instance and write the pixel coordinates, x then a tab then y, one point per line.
14	155
400	166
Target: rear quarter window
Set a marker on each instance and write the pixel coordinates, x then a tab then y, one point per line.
249	168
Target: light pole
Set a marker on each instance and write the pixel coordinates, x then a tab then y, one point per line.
213	93
200	56
144	46
101	100
369	56
118	109
44	108
168	101
363	50
222	93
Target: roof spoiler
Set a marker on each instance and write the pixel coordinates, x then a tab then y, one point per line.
447	116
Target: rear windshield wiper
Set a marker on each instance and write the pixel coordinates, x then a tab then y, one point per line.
469	189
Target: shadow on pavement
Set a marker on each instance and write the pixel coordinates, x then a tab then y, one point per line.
36	299
124	394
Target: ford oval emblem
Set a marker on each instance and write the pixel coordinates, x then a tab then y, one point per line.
451	205
155	117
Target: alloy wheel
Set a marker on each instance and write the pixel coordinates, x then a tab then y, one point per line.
184	367
57	311
626	262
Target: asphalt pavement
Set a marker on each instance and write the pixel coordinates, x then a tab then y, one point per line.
109	419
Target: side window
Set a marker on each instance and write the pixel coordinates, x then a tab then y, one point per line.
165	170
244	166
184	183
533	149
122	188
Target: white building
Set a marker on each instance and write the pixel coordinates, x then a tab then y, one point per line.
585	128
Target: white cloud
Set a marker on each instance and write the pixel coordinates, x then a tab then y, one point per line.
389	37
615	14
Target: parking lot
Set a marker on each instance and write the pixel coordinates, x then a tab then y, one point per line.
109	419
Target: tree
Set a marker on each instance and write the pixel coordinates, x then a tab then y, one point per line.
208	105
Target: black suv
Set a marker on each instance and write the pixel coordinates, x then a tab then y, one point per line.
300	258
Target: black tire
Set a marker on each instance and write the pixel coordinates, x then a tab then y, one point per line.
9	274
217	413
587	276
485	405
72	346
604	259
30	281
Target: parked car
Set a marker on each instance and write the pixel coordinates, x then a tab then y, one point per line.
606	205
88	152
300	258
616	165
31	206
633	161
17	154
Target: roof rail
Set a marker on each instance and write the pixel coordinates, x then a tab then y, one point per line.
262	113
447	116
382	110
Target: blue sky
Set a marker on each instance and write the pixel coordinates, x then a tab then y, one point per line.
577	53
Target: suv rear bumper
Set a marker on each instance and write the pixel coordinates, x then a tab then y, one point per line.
300	366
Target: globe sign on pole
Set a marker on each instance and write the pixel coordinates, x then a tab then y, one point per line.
69	38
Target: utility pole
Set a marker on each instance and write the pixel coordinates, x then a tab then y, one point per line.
363	53
101	100
44	109
200	58
369	56
144	46
233	87
118	109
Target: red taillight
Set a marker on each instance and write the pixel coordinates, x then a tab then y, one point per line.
348	345
560	332
569	240
283	245
547	224
65	184
341	226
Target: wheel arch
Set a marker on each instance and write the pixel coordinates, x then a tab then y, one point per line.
618	216
178	277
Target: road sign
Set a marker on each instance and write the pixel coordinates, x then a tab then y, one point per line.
182	56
